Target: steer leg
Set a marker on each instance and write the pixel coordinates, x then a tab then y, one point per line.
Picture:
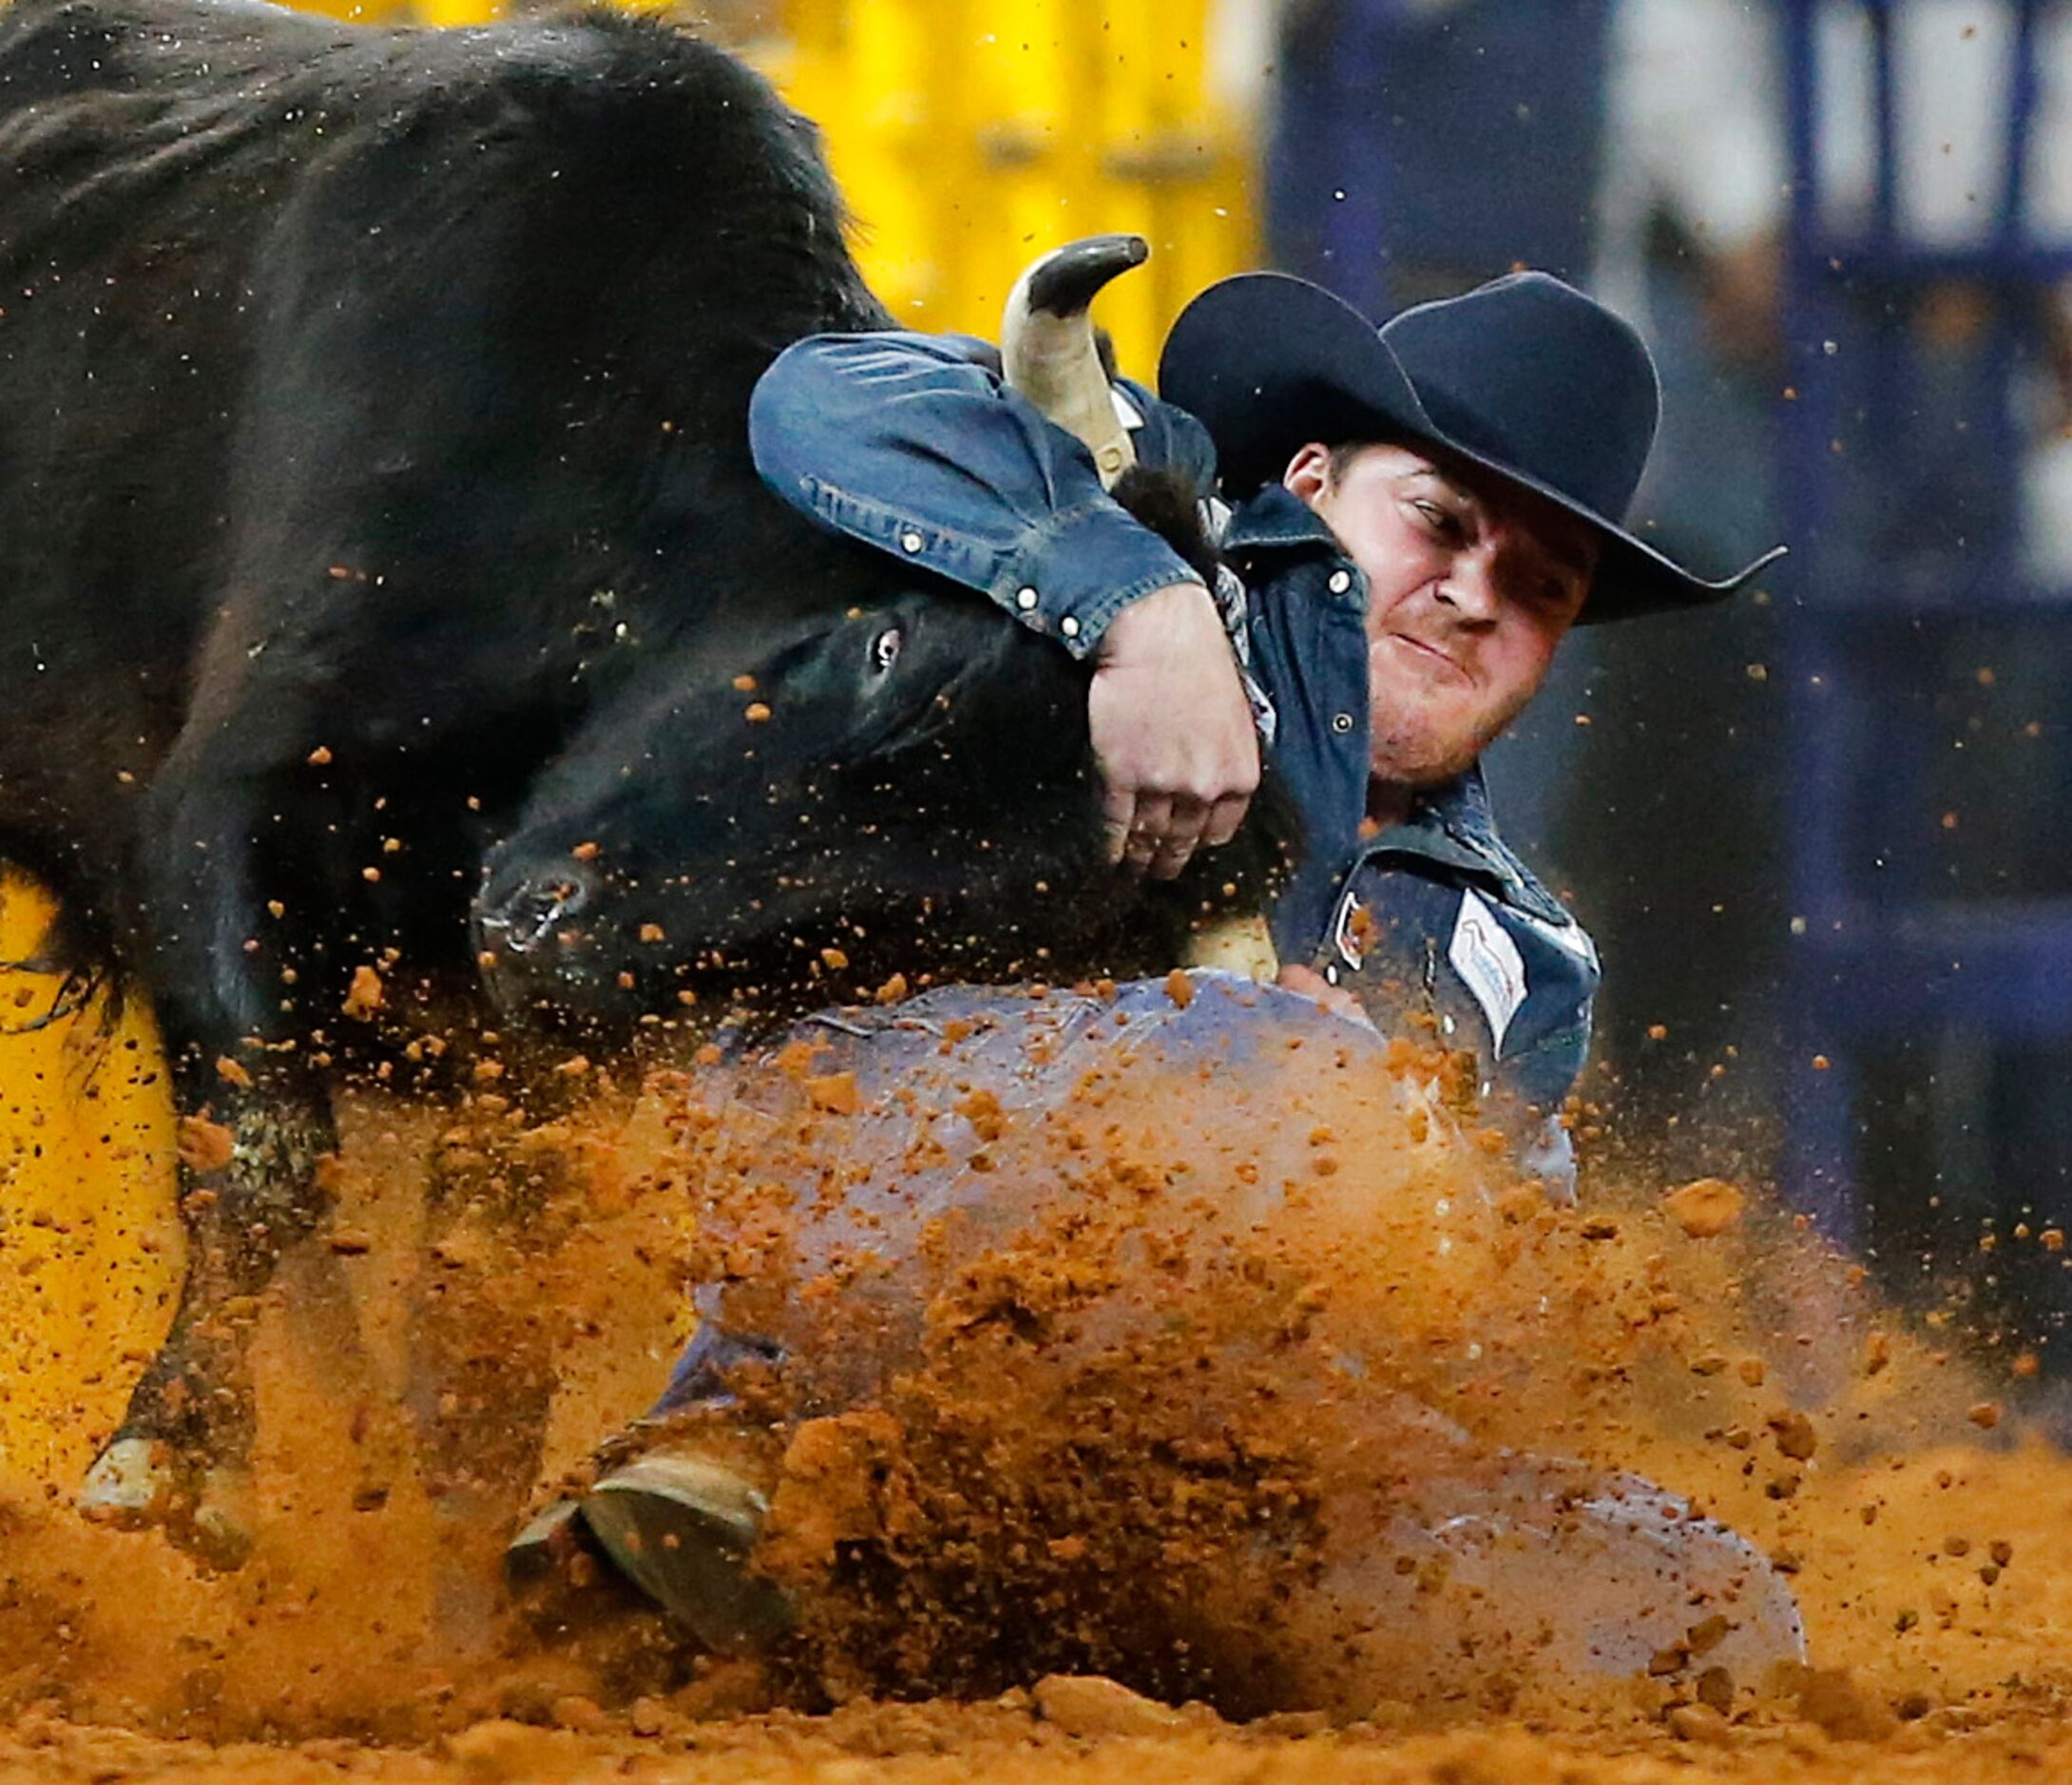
481	1370
255	1121
482	1350
492	1308
181	1456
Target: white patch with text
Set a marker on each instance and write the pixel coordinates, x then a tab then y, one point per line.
1488	964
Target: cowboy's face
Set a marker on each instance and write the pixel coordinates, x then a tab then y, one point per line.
1471	583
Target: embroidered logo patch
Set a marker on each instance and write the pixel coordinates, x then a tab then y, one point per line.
1488	964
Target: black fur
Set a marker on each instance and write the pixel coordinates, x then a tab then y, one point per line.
377	529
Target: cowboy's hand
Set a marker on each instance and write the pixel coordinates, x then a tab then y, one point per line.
1172	731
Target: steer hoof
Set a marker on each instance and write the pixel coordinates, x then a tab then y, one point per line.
140	1483
128	1484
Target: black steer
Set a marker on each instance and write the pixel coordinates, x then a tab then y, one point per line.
377	529
900	786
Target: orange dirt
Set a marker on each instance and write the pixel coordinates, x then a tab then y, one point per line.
1098	1388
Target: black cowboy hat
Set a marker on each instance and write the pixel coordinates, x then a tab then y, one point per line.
1525	376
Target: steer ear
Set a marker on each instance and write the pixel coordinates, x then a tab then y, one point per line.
1046	342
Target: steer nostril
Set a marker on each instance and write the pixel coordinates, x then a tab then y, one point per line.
530	917
567	895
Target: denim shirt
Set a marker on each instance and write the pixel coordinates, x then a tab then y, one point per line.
913	443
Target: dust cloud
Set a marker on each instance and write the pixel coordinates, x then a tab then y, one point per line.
1181	1381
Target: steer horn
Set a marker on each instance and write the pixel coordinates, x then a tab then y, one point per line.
1046	343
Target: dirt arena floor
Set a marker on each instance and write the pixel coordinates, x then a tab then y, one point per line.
1684	1333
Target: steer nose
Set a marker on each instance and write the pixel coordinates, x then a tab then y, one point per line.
533	915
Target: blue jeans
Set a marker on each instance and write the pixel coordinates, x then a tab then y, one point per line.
923	1073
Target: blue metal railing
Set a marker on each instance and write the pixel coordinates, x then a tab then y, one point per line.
1907	362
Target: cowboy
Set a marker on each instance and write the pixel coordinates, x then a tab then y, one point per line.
956	1316
1413	518
1417	515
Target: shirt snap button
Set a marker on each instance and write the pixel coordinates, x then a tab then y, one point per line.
910	542
1025	598
1331	973
1340	582
1069	626
1341	722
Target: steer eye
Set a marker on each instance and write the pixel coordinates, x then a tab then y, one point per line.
885	651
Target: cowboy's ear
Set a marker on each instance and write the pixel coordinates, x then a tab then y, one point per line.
1309	471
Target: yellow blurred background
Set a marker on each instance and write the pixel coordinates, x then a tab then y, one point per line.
89	1236
969	135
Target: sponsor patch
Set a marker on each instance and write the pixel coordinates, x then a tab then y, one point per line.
1488	964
